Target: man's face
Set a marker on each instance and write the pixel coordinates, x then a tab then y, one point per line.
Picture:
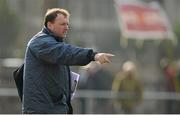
60	26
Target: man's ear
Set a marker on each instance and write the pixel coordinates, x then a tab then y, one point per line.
50	25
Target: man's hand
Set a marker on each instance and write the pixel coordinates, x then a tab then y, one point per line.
103	57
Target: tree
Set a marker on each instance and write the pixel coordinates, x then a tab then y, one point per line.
8	30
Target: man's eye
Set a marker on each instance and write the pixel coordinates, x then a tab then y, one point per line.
64	24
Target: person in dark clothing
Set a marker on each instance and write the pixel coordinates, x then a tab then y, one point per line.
99	78
46	68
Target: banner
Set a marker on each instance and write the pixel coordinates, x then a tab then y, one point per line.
139	20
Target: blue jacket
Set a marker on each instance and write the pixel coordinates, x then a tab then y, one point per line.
47	74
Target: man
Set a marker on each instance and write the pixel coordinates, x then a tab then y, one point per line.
47	60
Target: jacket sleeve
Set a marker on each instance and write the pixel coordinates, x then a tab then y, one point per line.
51	51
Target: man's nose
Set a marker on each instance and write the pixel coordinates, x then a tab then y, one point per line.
67	27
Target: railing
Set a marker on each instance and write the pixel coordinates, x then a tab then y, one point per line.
147	95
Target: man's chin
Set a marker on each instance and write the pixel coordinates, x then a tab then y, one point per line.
64	36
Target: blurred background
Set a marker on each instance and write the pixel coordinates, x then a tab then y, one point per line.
147	52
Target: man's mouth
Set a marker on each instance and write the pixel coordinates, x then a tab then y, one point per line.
65	32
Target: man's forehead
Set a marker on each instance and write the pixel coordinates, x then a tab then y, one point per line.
62	17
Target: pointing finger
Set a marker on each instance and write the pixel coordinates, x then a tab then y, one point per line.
110	55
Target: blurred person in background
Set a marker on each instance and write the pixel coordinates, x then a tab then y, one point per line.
85	72
170	74
99	79
128	84
47	87
177	85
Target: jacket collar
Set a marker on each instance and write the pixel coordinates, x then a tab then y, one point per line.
49	32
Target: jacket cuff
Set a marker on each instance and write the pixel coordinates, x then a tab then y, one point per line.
91	55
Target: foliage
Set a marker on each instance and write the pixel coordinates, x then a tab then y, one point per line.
177	30
8	30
